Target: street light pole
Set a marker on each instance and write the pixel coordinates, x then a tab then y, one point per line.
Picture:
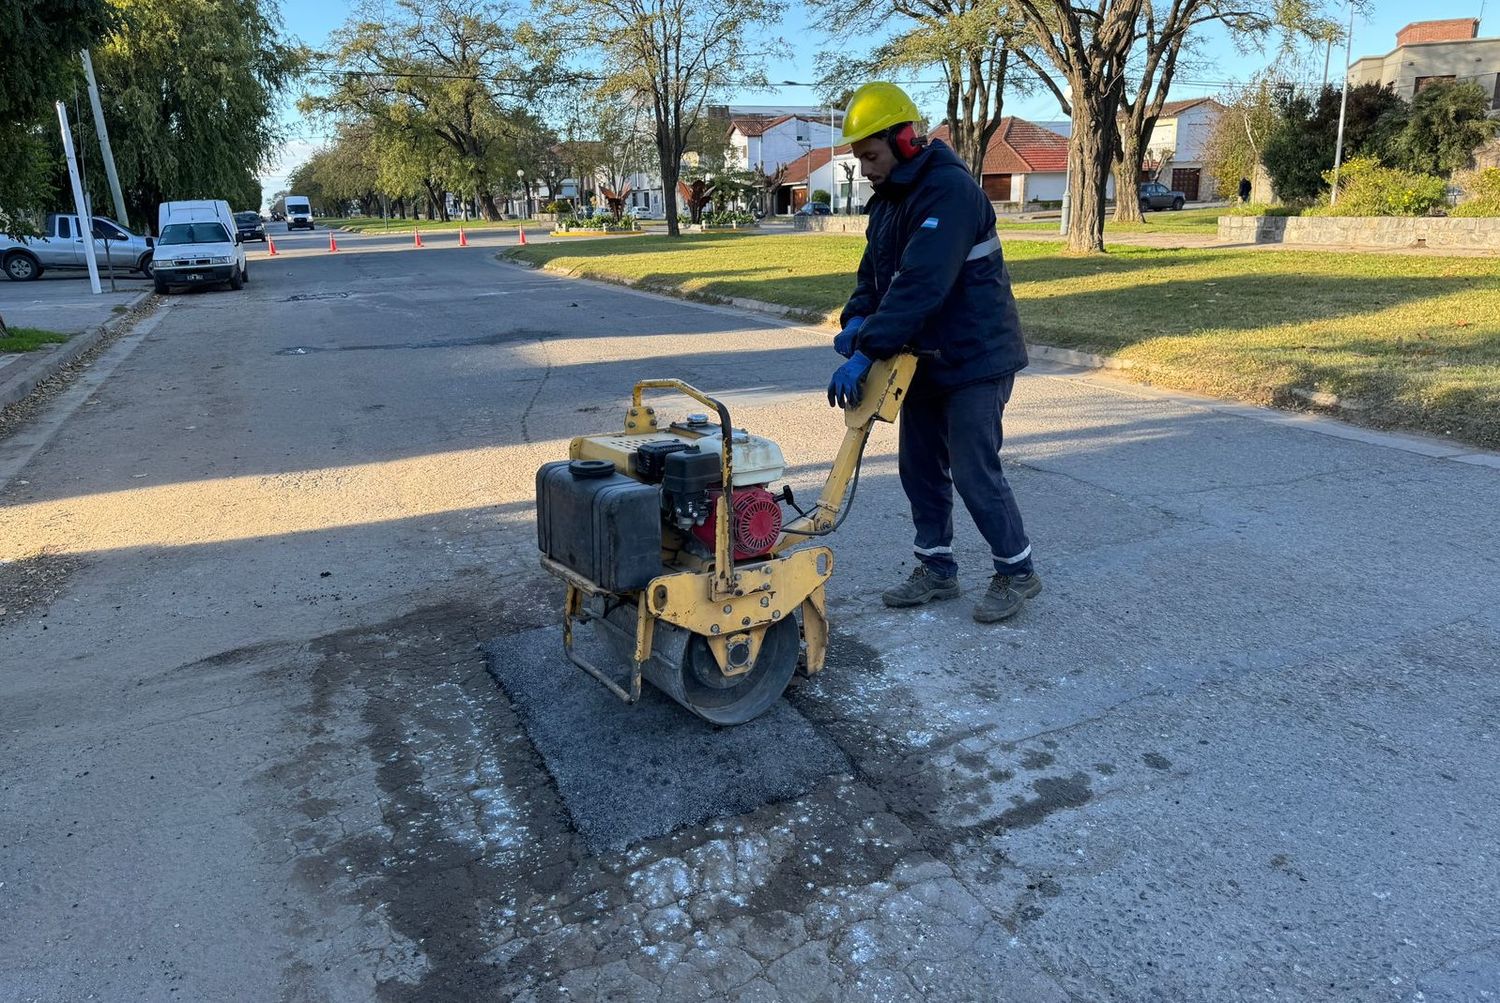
1338	150
833	182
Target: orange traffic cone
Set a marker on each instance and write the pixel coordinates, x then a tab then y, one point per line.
416	238
462	240
333	245
270	246
523	233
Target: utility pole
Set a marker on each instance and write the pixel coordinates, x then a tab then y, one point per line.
104	148
833	182
85	221
1338	149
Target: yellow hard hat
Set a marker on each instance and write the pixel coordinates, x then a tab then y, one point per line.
876	106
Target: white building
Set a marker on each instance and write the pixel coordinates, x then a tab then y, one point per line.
1181	134
769	141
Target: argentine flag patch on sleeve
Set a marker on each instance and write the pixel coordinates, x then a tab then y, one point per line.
930	223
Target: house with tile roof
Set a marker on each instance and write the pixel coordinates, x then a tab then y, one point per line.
1175	154
1025	163
768	141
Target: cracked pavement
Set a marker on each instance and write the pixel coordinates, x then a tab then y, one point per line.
273	550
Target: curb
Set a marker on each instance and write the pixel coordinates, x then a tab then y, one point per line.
53	362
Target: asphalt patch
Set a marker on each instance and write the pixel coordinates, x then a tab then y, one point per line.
628	773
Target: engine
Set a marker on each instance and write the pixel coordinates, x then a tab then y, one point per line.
690	479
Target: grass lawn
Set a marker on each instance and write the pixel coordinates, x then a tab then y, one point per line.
374	224
29	339
1414	341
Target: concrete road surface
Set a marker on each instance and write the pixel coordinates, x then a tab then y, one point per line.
269	562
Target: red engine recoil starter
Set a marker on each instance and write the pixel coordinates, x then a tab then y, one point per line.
756	518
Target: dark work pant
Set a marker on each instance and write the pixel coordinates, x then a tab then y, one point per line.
953	440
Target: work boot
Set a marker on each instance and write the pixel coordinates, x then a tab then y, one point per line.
922	586
1006	596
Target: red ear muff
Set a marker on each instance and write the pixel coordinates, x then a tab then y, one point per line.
905	143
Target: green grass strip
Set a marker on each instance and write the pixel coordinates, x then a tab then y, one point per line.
29	339
1409	341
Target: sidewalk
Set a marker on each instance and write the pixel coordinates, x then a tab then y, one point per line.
65	305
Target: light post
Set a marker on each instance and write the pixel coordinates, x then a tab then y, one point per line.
525	195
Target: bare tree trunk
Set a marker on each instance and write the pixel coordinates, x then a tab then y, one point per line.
669	161
1128	178
1090	156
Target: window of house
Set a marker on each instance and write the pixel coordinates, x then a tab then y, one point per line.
1425	82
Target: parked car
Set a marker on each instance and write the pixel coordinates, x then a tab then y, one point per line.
815	209
249	226
199	244
61	246
1155	195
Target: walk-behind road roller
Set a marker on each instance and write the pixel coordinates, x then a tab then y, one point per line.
672	543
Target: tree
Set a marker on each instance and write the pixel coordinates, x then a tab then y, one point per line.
673	56
1167	31
1448	122
766	185
970	41
41	43
1089	48
177	129
1300	148
439	68
1234	144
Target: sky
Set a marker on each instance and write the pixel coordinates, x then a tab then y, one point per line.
1218	64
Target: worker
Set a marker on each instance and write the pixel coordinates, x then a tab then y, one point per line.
933	281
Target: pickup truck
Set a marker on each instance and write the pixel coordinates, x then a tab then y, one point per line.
61	246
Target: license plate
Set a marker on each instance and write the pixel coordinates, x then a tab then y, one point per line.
194	276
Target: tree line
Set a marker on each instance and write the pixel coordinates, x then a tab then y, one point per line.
484	99
189	91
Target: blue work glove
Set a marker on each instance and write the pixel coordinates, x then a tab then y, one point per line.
843	389
843	342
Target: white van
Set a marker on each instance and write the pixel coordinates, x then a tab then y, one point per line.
198	244
298	213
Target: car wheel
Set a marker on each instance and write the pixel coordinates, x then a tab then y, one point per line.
162	287
1177	205
1145	207
22	268
145	265
245	273
237	280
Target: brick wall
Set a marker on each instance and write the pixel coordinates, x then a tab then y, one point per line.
1456	29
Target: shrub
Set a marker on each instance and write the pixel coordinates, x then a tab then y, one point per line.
601	221
560	206
1481	193
1367	189
1261	209
729	217
819	195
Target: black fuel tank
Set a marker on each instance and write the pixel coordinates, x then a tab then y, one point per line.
607	529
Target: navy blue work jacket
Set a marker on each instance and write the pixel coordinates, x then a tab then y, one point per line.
919	288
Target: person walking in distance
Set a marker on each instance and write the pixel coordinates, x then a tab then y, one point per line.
933	281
